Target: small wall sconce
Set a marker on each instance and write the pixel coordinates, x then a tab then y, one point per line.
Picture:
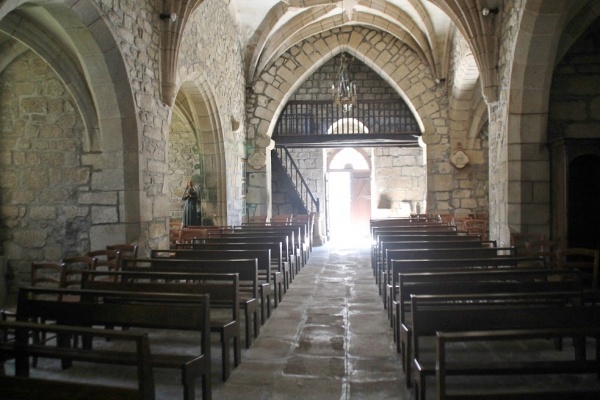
171	16
440	80
487	11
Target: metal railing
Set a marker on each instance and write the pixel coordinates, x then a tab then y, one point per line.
310	202
322	117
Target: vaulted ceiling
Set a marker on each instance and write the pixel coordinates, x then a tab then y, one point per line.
270	27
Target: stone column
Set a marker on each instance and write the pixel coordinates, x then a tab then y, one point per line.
258	198
3	288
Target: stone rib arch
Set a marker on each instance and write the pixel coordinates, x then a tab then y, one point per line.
271	95
479	117
465	80
196	99
268	24
90	64
536	54
282	43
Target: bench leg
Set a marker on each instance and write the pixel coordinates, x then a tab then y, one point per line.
257	324
248	319
189	388
188	379
225	348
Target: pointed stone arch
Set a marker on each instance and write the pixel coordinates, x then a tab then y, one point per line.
195	103
100	183
521	195
391	59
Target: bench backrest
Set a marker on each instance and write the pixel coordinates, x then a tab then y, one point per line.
454	313
444	253
22	349
246	268
223	289
484	282
383	265
262	255
285	248
144	310
275	247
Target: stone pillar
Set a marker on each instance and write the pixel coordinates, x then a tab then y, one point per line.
3	287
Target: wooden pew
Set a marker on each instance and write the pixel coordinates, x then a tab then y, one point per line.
437	253
136	310
472	282
21	386
391	234
384	277
246	268
223	289
240	240
394	242
278	266
264	270
286	236
500	311
438	265
571	366
300	233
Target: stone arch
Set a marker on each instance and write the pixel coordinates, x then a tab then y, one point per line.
196	103
527	164
462	95
75	42
390	63
331	155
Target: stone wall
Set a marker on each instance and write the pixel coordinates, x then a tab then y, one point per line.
575	91
400	184
211	61
404	167
48	204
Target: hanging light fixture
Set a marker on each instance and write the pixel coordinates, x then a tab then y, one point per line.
344	90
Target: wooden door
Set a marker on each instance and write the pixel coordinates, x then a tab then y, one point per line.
360	206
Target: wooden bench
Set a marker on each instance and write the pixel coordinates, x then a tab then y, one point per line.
265	276
139	310
23	386
286	266
289	251
411	242
246	268
575	366
465	242
472	282
496	311
222	288
436	253
298	231
438	265
393	235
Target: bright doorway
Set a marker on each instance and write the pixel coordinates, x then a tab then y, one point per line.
349	194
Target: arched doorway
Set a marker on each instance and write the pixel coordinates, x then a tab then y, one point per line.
583	199
349	189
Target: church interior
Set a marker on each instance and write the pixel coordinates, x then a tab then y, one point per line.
336	114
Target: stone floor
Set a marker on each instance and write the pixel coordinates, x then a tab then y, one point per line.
328	339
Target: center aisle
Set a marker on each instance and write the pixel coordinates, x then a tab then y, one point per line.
328	339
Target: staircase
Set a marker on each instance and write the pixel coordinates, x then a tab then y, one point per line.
281	158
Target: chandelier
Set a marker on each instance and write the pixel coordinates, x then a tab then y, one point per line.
344	90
